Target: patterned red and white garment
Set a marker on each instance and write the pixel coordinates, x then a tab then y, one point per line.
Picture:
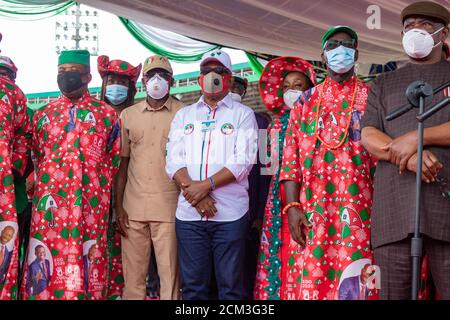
14	146
323	153
77	148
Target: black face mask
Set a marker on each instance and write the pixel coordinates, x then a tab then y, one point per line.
69	81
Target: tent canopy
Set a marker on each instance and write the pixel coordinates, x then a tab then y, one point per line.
277	27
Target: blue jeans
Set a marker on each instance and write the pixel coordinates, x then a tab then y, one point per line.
206	244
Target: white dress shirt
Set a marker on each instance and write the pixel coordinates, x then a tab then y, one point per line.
205	141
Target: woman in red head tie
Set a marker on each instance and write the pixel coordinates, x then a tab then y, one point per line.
282	84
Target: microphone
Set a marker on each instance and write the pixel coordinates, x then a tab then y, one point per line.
414	92
407	106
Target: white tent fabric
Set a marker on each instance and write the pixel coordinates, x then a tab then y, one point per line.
278	27
171	41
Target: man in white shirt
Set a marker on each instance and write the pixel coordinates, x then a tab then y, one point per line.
212	147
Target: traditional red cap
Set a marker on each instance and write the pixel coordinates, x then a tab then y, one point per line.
120	67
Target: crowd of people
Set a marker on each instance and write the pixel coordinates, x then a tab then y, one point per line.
188	201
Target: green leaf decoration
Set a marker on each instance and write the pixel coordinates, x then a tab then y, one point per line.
48	215
65	233
94	202
357	255
364	214
38	236
8	180
62	193
331	274
308	163
329	157
346	232
331	231
85	179
330	188
318	252
353	189
45	178
58	293
357	160
118	279
309	193
291	261
75	232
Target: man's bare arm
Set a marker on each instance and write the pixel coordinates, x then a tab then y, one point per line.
374	140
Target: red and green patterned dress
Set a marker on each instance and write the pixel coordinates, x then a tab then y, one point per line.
77	148
268	276
268	271
323	153
14	145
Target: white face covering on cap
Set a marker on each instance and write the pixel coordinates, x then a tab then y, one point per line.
291	97
236	97
418	43
157	87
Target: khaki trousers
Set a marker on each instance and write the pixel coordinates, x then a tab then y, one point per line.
136	250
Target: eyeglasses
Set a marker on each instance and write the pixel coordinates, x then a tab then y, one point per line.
333	44
218	70
444	187
421	24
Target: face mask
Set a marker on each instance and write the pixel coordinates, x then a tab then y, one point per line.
69	81
341	59
116	93
157	87
236	97
214	83
418	43
291	97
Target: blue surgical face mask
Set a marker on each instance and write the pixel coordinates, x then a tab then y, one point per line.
116	93
341	59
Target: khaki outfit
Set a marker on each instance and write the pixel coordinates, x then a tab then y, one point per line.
150	199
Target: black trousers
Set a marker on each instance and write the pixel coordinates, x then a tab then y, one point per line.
24	221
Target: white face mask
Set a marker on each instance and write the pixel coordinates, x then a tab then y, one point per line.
418	43
291	97
236	97
157	87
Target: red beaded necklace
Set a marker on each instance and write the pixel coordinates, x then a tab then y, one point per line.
319	105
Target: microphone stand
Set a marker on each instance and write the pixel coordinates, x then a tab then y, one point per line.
418	93
408	106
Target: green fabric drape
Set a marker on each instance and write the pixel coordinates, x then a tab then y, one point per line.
32	9
257	67
152	44
140	36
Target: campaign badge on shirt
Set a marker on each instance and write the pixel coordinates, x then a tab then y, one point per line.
188	129
208	125
227	129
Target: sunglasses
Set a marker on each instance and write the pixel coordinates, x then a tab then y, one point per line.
333	44
218	70
163	74
444	187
